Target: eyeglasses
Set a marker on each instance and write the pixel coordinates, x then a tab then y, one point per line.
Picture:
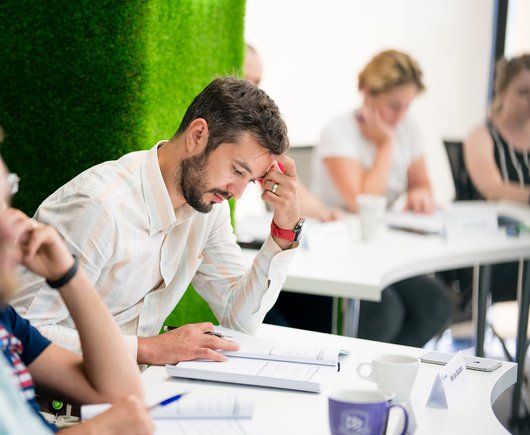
12	183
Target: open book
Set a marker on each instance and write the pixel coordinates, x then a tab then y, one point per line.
260	363
198	414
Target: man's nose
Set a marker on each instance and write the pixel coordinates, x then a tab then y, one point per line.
237	189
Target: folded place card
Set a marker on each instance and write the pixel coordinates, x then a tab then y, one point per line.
448	383
467	225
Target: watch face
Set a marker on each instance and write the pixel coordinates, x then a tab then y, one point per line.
299	229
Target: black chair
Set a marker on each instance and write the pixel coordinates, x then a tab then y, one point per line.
460	280
463	185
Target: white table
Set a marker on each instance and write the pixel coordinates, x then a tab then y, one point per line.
290	412
336	262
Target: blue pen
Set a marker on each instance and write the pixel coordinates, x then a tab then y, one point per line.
166	401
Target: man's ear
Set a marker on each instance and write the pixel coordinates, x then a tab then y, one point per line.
197	136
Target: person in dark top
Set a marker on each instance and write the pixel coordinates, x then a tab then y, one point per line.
497	154
105	373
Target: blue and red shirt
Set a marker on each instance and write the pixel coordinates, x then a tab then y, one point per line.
21	344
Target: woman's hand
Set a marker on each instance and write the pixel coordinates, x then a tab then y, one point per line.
44	252
419	200
373	126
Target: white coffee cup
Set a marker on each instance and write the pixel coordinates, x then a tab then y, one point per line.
396	373
372	216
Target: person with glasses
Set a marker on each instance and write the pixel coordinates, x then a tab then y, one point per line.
104	373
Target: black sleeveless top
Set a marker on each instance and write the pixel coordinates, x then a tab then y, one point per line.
513	165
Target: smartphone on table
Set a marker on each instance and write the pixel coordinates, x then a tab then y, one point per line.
472	362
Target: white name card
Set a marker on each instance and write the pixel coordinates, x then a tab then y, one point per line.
448	383
464	224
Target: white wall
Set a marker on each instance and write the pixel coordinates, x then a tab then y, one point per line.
313	49
518	28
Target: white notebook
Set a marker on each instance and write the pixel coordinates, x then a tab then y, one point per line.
263	364
198	414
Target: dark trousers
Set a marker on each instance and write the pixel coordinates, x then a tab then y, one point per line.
410	312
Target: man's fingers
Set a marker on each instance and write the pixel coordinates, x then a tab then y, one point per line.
204	326
206	353
289	167
214	342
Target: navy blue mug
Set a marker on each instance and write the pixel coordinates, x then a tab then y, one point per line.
362	412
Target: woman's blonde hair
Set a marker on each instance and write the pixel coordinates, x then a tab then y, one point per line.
505	72
388	70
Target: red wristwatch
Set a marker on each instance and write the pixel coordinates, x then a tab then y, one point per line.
293	235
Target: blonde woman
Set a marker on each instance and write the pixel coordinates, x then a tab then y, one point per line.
378	149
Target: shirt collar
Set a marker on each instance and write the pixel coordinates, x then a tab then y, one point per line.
158	203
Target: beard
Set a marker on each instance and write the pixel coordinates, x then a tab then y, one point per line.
190	181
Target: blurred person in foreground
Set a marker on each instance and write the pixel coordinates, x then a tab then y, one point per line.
105	372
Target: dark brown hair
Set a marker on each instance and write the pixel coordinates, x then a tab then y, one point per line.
232	107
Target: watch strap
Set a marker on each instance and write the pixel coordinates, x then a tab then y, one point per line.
281	233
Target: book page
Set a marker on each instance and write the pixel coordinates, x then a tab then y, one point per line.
249	371
205	427
206	406
252	347
235	367
191	406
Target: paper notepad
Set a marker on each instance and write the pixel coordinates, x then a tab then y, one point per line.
191	407
222	414
260	363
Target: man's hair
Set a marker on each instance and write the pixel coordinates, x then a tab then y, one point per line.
388	70
232	107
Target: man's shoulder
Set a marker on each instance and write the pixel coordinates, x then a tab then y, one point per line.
106	181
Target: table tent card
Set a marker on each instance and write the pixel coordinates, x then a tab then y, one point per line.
449	383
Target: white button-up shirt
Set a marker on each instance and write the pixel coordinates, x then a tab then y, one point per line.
141	255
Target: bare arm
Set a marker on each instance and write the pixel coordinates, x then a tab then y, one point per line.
483	170
106	372
351	178
311	206
419	195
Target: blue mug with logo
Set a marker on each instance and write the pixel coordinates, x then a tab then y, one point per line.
362	412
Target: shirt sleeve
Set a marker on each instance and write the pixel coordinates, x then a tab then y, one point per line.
338	139
240	297
32	341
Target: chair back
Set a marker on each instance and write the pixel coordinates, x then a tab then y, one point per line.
465	190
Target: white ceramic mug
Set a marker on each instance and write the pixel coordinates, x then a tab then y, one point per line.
396	373
372	216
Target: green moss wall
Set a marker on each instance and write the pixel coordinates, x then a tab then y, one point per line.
84	81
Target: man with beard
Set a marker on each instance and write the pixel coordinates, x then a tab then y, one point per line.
148	224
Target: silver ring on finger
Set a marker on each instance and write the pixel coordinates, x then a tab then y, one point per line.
274	188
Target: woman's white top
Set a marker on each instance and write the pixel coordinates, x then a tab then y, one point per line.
343	138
